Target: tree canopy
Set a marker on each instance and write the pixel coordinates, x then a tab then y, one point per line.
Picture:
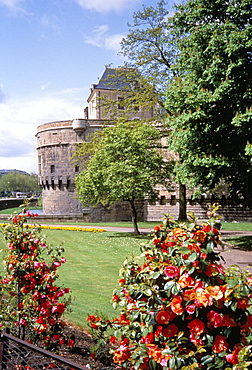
149	54
14	181
126	164
210	100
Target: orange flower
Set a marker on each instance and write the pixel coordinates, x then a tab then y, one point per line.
121	354
157	355
154	352
215	292
178	232
176	305
186	281
189	294
203	298
200	236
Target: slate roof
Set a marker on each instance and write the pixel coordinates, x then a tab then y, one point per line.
112	79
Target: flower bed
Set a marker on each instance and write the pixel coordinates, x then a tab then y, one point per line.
70	228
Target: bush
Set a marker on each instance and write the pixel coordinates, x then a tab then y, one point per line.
181	309
31	303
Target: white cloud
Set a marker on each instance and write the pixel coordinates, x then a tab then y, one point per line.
106	6
14	6
45	85
99	37
19	123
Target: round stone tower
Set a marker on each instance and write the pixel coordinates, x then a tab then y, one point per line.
56	142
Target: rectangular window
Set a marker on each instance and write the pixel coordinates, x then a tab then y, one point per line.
120	104
52	168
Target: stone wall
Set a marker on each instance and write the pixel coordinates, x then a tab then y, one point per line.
228	211
13	203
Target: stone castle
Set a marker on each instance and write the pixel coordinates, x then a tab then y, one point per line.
56	142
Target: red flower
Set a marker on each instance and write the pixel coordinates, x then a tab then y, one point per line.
190	309
148	339
220	344
115	298
170	331
243	303
71	342
196	326
113	339
215	319
171	271
194	247
233	357
163	317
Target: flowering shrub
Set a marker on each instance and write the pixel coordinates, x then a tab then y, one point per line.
180	308
31	304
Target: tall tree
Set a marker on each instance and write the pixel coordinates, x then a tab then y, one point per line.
210	103
150	47
126	164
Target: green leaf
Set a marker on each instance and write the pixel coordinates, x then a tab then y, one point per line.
206	360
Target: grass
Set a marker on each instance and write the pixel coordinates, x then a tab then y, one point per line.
91	270
242	242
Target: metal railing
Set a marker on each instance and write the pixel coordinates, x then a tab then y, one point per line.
16	354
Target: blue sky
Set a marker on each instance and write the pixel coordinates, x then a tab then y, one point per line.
51	52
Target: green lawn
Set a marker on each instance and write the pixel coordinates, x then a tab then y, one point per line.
91	270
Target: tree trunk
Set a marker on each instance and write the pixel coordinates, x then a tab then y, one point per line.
182	203
134	217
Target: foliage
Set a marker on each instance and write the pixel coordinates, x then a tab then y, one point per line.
181	309
210	100
15	181
31	303
149	49
127	165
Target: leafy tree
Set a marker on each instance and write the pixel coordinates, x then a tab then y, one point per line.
15	181
125	164
210	103
149	48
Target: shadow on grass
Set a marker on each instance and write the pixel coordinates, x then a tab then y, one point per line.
241	242
143	236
